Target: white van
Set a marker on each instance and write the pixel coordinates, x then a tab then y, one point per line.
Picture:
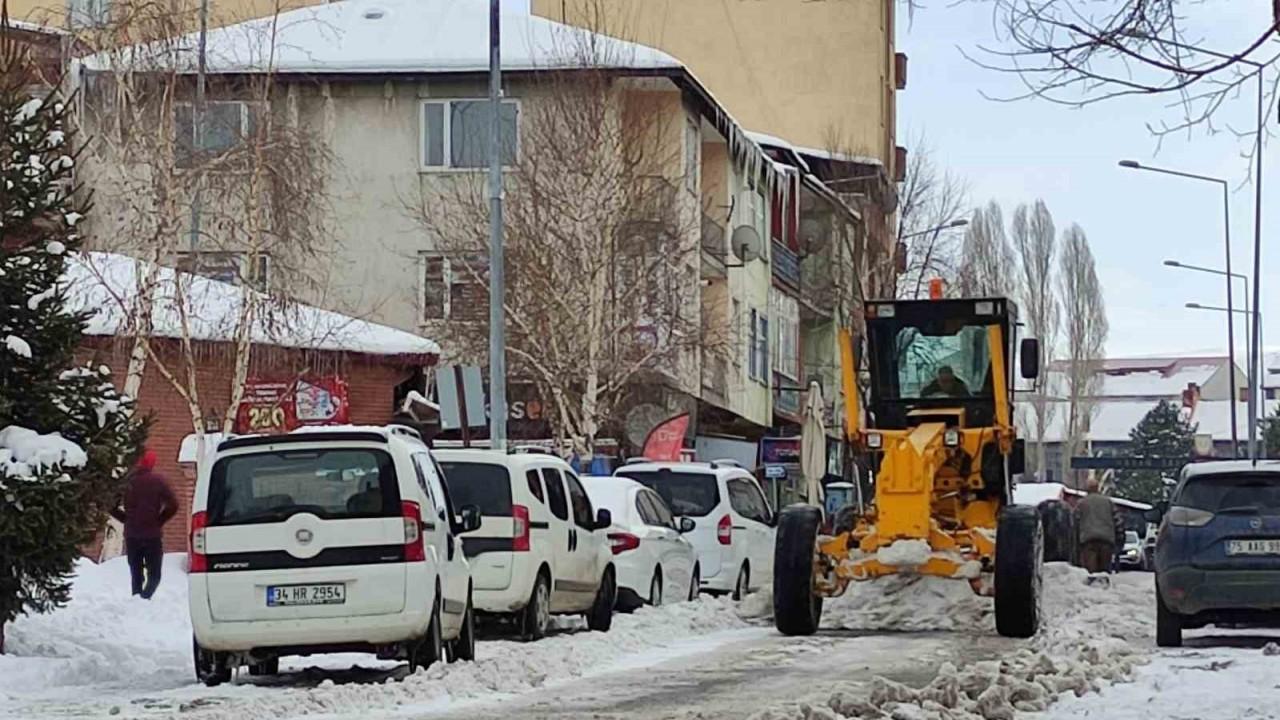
326	540
733	524
541	548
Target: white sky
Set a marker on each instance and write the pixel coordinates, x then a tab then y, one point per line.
1016	152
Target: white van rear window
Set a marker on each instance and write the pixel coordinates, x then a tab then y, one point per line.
331	484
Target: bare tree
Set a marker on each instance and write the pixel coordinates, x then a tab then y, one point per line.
929	200
987	266
600	249
1035	239
1085	326
1077	52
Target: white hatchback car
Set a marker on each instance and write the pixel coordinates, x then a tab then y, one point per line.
655	562
541	548
733	525
326	540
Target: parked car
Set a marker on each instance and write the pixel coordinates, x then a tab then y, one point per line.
326	540
1218	550
655	562
541	548
1149	549
733	524
1131	552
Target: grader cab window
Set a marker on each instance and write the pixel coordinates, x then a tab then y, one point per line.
954	364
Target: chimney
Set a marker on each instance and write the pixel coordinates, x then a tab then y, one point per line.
1191	396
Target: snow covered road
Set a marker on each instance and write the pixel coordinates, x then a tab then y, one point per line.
902	648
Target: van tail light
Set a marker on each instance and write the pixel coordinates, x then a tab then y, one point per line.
520	516
724	530
414	551
197	559
620	542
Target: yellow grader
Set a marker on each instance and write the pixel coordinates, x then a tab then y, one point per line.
938	434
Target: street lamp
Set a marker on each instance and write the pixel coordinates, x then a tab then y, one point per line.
1231	325
1254	359
959	222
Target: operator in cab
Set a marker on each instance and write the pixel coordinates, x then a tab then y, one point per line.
946	384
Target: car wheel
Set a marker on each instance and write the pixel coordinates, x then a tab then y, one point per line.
695	583
797	608
427	650
211	668
1019	558
655	588
537	614
600	617
1168	624
743	583
464	648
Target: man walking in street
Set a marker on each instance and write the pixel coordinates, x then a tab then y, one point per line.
149	502
1095	520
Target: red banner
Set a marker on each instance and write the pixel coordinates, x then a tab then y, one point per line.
273	406
667	439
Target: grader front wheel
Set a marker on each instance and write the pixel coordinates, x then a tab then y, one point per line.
1019	557
797	608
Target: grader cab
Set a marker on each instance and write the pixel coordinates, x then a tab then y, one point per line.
941	442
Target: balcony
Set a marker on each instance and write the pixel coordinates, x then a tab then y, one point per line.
786	266
715	378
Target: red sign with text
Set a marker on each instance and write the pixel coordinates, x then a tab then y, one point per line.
667	439
274	406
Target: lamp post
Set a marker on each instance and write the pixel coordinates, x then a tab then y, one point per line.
1254	359
1257	319
959	222
1231	325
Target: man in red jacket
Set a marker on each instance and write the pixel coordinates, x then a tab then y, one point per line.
148	504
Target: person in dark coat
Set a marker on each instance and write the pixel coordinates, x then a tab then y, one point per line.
149	503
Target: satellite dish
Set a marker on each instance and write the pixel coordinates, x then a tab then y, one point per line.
746	243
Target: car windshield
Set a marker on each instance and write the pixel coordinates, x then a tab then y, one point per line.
1239	492
691	494
484	485
331	484
955	364
1130	537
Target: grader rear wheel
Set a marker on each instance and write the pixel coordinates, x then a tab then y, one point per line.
797	608
1019	558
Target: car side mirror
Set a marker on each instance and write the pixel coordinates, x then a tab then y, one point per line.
470	518
604	519
686	525
1029	357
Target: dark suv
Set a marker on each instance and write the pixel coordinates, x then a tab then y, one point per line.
1218	550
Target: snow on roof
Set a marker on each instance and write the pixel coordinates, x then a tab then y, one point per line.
384	36
1029	493
1154	383
1214	417
35	27
106	284
1112	420
774	141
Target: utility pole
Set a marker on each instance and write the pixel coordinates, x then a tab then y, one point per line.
497	290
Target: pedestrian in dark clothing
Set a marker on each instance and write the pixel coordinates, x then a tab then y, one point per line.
149	502
1095	518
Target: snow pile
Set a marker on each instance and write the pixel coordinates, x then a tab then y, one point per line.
1084	643
17	346
24	453
103	637
905	553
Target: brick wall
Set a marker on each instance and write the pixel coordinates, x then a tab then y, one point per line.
371	382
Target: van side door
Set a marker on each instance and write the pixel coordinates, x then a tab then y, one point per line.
562	541
588	542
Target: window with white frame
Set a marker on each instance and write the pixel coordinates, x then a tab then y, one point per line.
758	347
455	133
229	267
692	151
785	311
224	125
453	287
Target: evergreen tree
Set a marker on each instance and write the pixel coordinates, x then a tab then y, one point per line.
67	436
1271	435
1162	433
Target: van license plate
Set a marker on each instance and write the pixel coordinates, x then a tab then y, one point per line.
1253	547
323	594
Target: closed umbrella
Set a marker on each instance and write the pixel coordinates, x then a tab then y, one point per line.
813	445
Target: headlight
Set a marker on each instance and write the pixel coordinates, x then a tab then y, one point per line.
1188	517
875	440
951	438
